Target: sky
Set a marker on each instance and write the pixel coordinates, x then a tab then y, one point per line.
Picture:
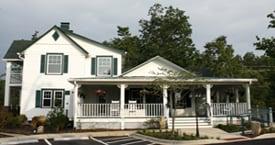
239	20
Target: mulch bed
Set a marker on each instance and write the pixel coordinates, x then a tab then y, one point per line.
2	136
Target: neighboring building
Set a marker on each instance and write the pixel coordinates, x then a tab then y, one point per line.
62	68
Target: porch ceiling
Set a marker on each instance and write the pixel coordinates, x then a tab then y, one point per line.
149	80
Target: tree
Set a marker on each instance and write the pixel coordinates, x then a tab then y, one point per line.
268	46
174	80
167	33
219	58
129	43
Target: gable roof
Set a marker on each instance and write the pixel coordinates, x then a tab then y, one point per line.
17	46
94	42
55	27
161	59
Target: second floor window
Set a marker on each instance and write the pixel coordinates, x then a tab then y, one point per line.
104	66
54	63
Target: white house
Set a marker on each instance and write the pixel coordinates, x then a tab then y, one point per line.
62	68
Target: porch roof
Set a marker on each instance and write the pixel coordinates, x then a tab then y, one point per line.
148	80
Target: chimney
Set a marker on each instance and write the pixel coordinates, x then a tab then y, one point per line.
65	25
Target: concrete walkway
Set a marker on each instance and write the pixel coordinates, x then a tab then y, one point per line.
214	132
266	136
11	134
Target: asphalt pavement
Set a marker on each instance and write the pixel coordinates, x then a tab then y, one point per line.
120	140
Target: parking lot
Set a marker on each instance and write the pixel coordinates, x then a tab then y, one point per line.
121	140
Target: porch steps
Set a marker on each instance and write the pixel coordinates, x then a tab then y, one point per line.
189	122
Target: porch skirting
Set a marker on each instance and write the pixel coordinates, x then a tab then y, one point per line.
111	123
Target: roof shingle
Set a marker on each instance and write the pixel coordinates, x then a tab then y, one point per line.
17	46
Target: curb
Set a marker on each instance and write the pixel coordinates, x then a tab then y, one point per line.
164	141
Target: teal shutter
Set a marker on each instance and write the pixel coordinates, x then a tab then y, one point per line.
42	64
115	66
67	92
93	66
65	64
38	98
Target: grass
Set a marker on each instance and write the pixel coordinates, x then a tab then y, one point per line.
170	136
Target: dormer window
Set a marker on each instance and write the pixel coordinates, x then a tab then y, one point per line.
54	63
104	66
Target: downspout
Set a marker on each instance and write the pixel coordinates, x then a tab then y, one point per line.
20	56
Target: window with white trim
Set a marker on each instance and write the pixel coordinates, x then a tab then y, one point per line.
52	98
47	98
54	63
104	66
58	98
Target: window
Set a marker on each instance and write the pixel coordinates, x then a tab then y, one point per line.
104	66
58	98
52	98
54	63
47	98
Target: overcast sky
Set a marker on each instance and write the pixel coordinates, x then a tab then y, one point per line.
239	20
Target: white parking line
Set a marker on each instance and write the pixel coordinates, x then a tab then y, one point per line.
47	142
71	138
21	142
127	139
97	140
139	141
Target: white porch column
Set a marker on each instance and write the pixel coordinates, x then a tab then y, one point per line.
208	101
165	101
75	108
247	93
7	84
237	95
122	103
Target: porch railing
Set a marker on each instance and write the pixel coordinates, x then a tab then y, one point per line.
98	110
143	110
229	109
113	110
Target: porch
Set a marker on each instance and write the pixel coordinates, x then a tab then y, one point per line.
123	105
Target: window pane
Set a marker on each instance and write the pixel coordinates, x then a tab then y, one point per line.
104	65
47	102
47	98
58	103
58	98
54	64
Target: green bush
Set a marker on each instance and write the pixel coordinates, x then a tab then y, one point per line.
22	118
13	122
5	117
170	136
8	120
152	123
229	127
56	119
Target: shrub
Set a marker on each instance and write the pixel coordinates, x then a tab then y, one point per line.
152	123
38	121
22	118
4	117
13	122
56	119
171	136
229	127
